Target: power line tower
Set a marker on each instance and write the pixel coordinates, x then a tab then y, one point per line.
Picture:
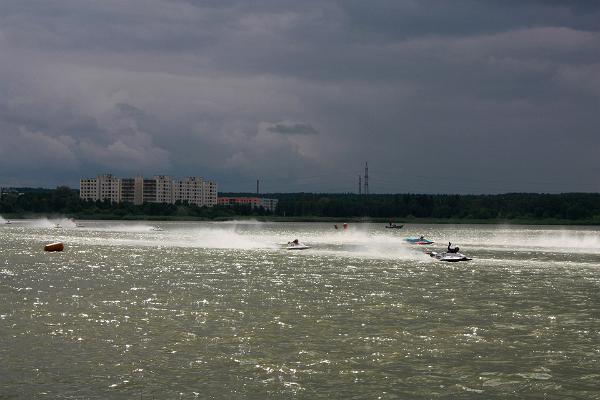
366	178
359	186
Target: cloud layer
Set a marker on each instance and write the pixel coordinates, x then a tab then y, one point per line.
456	97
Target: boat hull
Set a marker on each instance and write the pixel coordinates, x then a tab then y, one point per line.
449	257
298	247
418	241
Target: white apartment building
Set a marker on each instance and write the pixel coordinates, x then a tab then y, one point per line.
209	193
158	189
189	190
132	190
164	189
104	187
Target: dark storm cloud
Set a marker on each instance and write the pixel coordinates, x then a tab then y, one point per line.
292	128
438	96
405	19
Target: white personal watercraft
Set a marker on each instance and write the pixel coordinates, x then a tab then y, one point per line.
449	257
296	245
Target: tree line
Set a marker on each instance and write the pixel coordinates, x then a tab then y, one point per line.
578	207
565	206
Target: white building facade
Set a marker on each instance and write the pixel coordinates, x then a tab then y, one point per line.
209	193
104	187
164	189
189	190
158	189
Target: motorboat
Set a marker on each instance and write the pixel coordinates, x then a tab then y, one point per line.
296	245
449	257
57	226
157	228
394	226
418	240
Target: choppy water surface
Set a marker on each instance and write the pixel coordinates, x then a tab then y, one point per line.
221	310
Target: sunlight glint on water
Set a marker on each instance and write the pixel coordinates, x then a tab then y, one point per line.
222	310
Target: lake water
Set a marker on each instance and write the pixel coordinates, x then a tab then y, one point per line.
224	311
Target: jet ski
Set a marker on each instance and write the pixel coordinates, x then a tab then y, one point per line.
449	257
418	240
296	245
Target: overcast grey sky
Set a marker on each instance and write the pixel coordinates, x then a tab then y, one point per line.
461	96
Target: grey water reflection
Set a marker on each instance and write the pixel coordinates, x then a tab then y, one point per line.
222	310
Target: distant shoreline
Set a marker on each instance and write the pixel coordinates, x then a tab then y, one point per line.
502	209
333	220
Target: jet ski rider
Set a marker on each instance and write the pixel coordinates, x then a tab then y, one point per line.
452	249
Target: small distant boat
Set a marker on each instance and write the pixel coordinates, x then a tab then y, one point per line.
157	228
57	246
8	222
418	240
394	226
57	226
449	257
296	245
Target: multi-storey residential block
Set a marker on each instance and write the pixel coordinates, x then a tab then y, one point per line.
188	189
209	193
194	190
110	188
132	190
88	189
104	187
159	189
149	191
164	189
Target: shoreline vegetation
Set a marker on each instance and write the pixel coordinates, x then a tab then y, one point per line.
385	221
502	209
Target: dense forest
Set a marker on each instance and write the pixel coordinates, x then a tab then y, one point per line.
575	207
566	206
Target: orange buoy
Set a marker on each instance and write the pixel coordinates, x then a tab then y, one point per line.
58	246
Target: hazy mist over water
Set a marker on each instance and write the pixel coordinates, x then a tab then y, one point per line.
223	310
